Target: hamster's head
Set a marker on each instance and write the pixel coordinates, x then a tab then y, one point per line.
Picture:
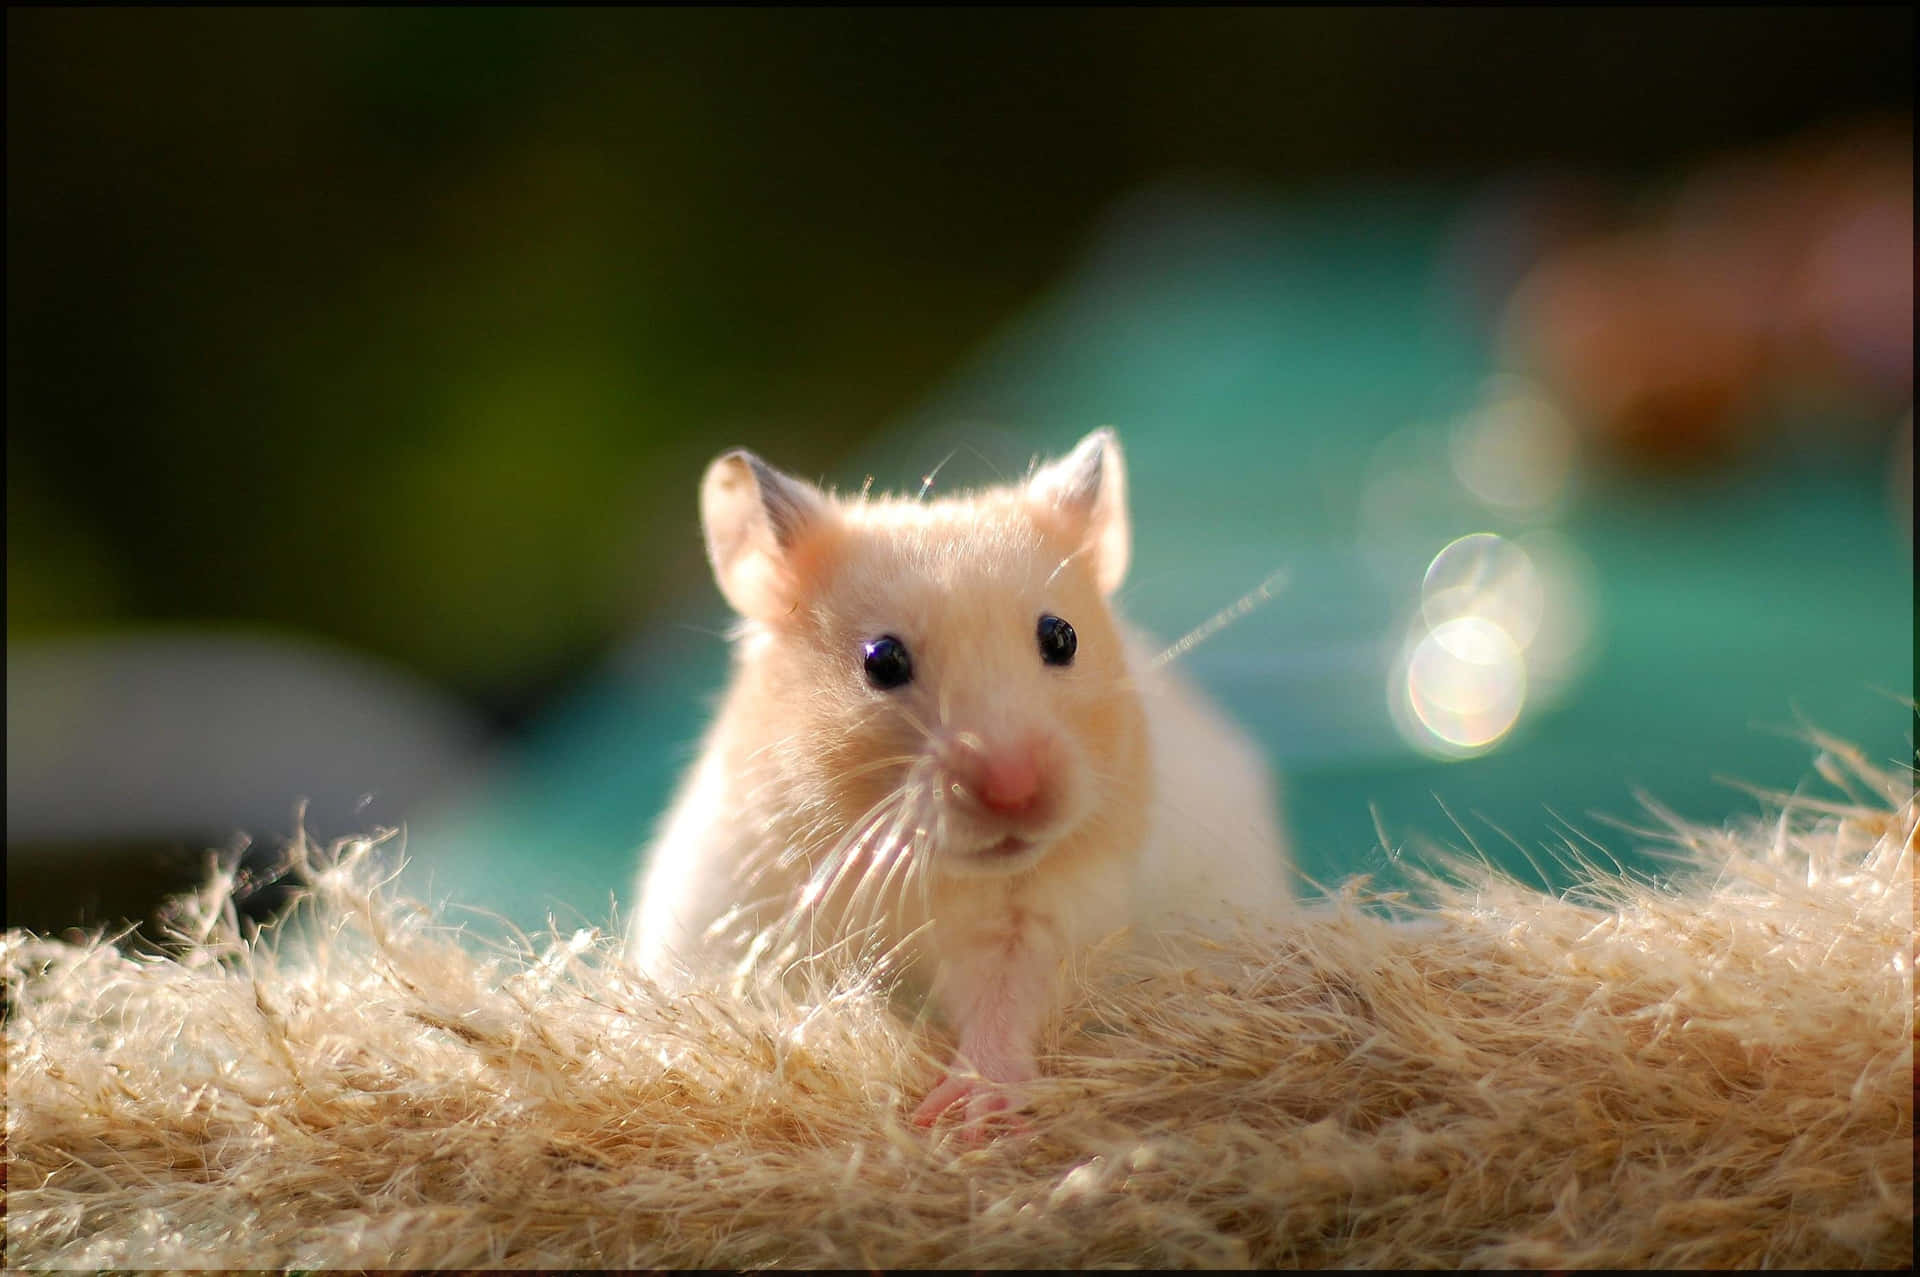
944	675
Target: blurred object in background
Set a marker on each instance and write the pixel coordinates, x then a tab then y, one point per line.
1900	479
158	746
1514	222
1773	292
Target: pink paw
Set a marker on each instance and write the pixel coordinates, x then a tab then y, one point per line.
982	1103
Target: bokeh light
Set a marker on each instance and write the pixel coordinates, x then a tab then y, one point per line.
1563	645
1516	452
1502	624
1465	684
1486	576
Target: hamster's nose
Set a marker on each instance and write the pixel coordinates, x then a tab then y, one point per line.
1008	779
1009	782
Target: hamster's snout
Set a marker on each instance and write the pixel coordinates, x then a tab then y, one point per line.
1013	782
1008	783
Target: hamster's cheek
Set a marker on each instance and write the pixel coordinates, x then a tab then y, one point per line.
864	749
1108	730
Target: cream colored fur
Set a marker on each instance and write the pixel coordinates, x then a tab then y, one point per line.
830	816
1214	847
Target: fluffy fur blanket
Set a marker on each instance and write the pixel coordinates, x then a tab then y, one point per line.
1712	1070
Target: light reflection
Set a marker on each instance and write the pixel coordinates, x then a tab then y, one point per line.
1516	451
1562	647
1465	684
1501	623
1487	576
1405	500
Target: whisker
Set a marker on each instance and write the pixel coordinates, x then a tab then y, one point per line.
827	878
1220	620
905	855
824	880
1062	565
865	903
892	813
879	764
926	481
925	862
776	743
913	720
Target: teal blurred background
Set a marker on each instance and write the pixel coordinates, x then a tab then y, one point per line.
362	364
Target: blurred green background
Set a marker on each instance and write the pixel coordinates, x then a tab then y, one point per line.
383	348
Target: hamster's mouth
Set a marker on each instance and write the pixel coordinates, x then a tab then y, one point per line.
1010	854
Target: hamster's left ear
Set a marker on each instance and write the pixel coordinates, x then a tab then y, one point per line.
1085	495
760	526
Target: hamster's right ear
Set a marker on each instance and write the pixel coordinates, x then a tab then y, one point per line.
1085	494
759	524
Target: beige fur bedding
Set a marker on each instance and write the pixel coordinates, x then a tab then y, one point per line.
1716	1073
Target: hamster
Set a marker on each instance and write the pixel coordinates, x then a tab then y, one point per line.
939	740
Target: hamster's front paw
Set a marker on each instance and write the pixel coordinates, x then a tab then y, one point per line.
984	1104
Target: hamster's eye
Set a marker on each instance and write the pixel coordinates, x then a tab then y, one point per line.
888	665
1057	641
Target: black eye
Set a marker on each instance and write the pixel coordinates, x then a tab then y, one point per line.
1057	641
888	665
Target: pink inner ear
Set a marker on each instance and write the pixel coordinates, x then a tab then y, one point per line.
769	583
788	505
1099	540
1083	497
765	532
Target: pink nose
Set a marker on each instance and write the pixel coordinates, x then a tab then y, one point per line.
1009	781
